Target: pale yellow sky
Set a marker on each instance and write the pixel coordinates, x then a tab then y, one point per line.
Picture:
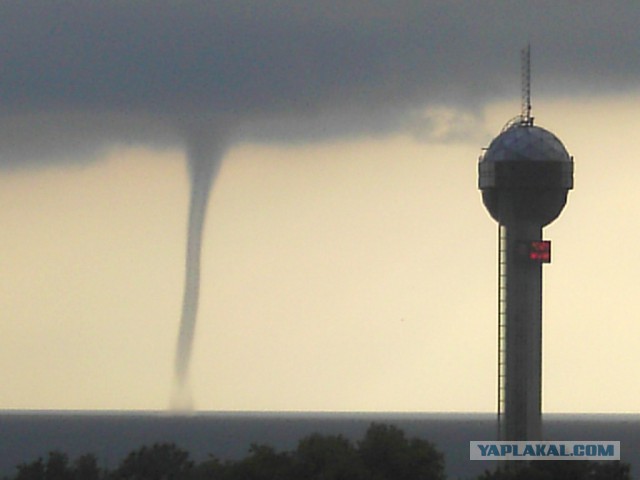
355	275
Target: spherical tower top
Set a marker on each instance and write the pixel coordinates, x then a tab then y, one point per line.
526	142
525	174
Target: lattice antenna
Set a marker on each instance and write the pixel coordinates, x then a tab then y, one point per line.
525	72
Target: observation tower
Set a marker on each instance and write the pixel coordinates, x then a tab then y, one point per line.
524	175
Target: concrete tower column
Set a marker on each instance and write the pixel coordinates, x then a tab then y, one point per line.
523	336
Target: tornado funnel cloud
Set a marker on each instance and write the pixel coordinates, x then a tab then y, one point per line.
205	152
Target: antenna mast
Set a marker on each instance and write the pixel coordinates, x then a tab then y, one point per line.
525	58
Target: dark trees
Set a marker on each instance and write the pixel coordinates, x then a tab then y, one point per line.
57	467
384	453
569	470
389	455
161	461
320	457
31	471
86	468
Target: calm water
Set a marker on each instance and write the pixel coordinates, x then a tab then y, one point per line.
24	436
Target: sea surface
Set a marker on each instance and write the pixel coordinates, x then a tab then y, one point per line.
27	435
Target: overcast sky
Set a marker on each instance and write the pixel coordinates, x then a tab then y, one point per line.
348	261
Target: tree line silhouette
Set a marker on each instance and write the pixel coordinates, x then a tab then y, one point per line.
384	453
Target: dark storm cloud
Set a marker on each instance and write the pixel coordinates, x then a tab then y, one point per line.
75	74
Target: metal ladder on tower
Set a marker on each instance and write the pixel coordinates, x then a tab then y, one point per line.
502	322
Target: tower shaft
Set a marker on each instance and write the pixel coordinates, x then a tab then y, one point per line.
523	336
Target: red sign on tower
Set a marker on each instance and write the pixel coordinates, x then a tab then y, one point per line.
540	251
